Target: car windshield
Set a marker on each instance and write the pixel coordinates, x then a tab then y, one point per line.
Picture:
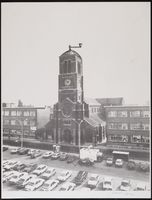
15	176
31	183
92	178
62	189
107	182
48	172
46	185
109	159
22	179
124	183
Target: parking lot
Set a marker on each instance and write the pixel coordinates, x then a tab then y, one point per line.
115	174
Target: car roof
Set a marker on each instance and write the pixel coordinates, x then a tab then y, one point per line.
51	181
41	165
125	181
68	184
118	159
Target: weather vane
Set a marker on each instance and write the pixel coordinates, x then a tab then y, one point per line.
80	45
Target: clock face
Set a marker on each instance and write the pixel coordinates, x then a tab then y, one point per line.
67	82
67	109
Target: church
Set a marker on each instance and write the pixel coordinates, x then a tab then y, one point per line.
76	120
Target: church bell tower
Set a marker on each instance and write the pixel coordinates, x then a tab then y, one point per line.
69	110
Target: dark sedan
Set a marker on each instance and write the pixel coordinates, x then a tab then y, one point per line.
23	151
63	156
31	167
81	176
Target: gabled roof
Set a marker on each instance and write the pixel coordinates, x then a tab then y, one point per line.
94	120
92	101
110	101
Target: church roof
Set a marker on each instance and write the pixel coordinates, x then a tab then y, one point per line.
92	101
94	120
71	52
110	101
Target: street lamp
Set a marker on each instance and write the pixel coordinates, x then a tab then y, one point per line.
79	132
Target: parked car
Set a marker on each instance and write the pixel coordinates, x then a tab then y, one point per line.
86	162
109	161
40	169
48	173
131	165
63	156
55	156
125	185
105	184
64	175
140	187
8	175
37	153
34	184
85	189
93	180
16	177
5	148
31	167
11	164
81	176
47	154
23	151
119	163
68	186
15	150
23	181
19	167
30	151
144	167
50	185
71	159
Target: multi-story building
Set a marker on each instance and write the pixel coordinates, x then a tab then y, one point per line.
25	119
128	127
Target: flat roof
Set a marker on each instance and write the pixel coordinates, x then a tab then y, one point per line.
122	106
120	152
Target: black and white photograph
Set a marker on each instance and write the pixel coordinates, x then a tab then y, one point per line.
75	100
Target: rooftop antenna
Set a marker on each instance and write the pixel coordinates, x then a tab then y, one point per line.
80	45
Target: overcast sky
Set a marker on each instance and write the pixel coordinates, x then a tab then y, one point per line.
115	51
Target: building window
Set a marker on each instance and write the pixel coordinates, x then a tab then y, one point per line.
118	138
112	126
67	122
122	113
13	132
13	122
112	114
65	67
26	113
6	122
140	139
25	122
32	113
6	131
123	126
79	68
145	126
134	113
135	126
145	113
26	132
69	66
32	123
19	113
13	113
6	113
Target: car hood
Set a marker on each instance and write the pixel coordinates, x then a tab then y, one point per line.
92	182
13	180
29	187
124	188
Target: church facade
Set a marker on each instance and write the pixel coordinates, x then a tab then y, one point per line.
74	121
